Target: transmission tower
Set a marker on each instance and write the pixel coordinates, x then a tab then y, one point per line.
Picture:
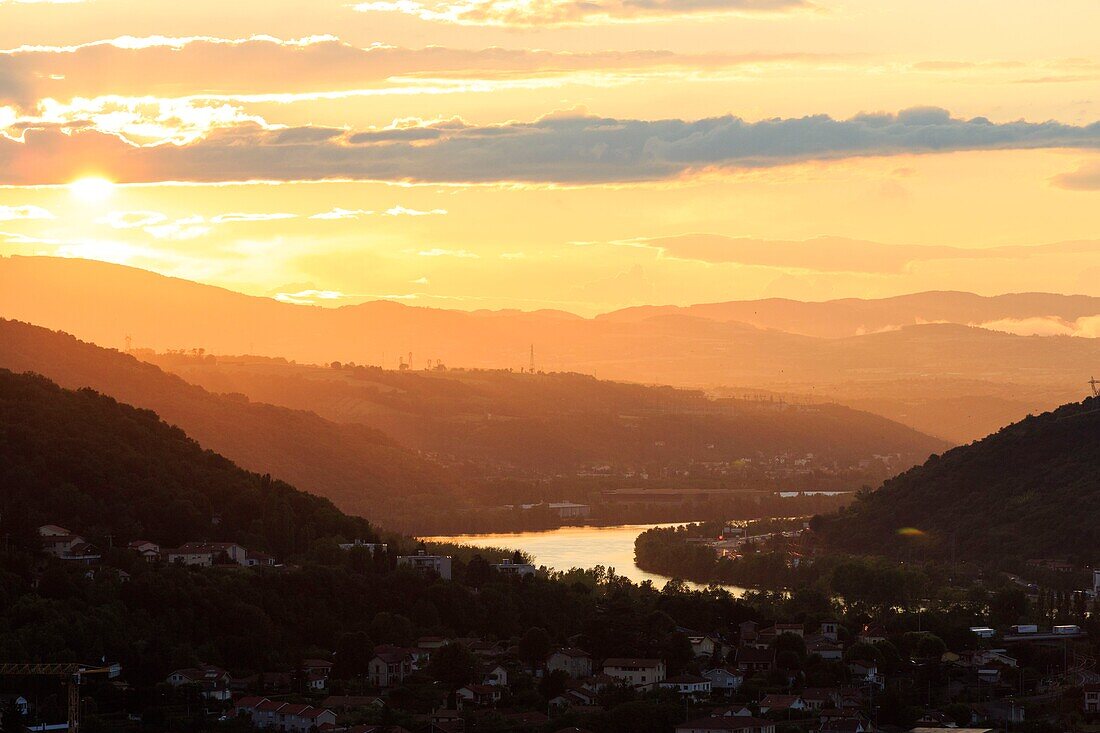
1095	384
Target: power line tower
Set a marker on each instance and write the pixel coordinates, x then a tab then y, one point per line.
128	343
1095	384
531	365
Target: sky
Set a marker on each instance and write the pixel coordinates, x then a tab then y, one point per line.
584	155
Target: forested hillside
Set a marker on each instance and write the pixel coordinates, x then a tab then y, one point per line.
101	468
362	470
1027	491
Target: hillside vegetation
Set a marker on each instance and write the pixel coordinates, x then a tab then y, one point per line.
81	460
1027	491
362	470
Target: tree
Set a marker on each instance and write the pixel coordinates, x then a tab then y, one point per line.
354	651
534	645
453	664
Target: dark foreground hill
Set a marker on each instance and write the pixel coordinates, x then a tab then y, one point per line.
1031	490
360	469
81	460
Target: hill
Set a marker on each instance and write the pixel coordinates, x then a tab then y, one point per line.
890	356
1028	491
558	422
82	460
360	469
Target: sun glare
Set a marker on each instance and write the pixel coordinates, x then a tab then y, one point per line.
92	190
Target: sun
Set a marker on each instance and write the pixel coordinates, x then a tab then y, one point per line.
92	190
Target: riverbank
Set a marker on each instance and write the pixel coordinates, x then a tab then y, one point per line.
565	548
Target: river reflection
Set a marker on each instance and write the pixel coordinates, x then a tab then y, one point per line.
577	547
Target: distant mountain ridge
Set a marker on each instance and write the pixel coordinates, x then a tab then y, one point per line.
1028	491
950	380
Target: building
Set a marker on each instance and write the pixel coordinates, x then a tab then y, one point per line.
149	551
781	704
205	554
424	563
1092	699
645	673
751	660
481	696
498	675
688	685
388	668
574	662
213	682
727	724
373	547
283	716
64	545
518	569
724	679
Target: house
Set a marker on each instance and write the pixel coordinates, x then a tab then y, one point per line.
482	696
431	642
724	723
573	661
688	685
213	682
796	629
372	547
205	554
751	660
1091	702
515	569
707	646
781	704
388	668
819	698
635	672
422	562
149	551
16	702
724	679
845	725
825	648
574	698
830	630
301	718
498	675
322	667
64	545
865	673
255	558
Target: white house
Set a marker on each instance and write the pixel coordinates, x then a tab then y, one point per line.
724	679
205	554
213	682
644	673
498	675
149	551
425	563
479	695
388	668
688	685
574	662
518	569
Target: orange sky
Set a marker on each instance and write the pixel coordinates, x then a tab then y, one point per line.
586	156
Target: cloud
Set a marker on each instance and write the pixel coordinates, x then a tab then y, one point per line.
308	297
132	219
833	254
531	13
241	217
338	213
403	211
1085	178
12	213
440	252
235	70
555	149
1085	327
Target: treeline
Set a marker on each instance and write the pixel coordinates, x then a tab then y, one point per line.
1027	491
115	473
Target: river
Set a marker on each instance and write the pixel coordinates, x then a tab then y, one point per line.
577	547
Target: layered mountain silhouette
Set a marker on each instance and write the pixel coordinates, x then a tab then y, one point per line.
1028	491
916	359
